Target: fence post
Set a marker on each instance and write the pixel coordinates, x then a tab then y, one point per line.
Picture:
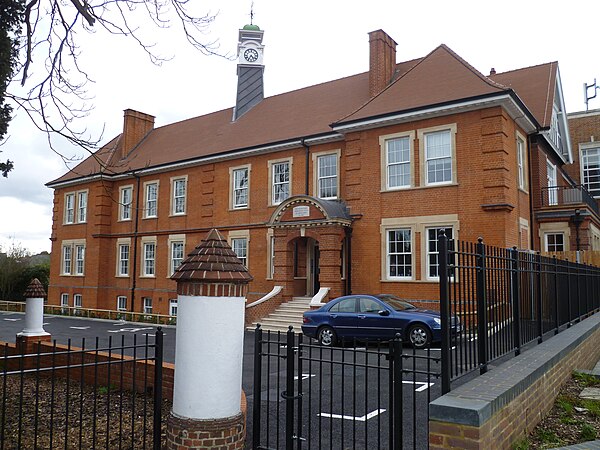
444	309
397	407
556	318
569	300
516	301
578	283
256	387
540	329
481	307
289	391
158	364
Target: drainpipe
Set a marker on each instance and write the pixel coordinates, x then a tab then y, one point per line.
307	148
135	242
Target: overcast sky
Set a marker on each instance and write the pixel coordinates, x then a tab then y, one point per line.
306	43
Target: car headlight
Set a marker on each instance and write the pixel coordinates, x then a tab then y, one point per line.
438	322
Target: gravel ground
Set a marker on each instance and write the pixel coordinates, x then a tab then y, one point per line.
571	420
84	418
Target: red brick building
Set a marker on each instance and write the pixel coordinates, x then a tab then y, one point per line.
342	185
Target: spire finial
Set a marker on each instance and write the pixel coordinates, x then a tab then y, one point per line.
252	13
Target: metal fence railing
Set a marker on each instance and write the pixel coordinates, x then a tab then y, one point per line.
568	195
363	394
98	396
506	299
74	311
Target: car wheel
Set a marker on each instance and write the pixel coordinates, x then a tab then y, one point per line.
327	336
419	335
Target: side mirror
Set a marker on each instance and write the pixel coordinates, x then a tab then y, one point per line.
384	312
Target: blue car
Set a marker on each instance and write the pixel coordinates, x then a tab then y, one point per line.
371	317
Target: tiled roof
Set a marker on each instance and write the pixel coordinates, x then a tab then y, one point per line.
441	77
212	261
35	290
535	87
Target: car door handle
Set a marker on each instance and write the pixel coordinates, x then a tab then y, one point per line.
362	316
333	316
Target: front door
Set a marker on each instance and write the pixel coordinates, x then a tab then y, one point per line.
312	263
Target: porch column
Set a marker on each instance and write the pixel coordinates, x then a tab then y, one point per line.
330	262
211	286
34	314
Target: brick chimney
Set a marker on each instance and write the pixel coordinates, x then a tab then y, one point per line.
136	126
382	61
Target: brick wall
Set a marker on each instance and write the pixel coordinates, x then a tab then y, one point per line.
485	193
497	409
138	375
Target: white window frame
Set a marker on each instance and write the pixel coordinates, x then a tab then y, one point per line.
173	307
388	254
317	177
422	135
122	303
151	204
235	188
72	258
67	259
273	182
147	305
429	252
554	233
64	299
549	228
82	201
125	205
175	239
522	162
584	150
146	262
237	236
79	252
179	200
69	208
78	300
384	142
552	183
123	263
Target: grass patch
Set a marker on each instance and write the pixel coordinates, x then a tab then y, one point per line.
586	379
588	432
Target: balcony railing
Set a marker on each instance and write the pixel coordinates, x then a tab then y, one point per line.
568	195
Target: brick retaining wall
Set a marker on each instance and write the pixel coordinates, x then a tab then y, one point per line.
500	407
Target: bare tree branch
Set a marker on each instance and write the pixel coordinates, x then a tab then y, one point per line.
56	97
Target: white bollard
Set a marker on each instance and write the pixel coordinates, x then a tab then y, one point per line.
34	310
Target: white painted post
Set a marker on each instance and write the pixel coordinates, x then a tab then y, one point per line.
207	387
208	356
34	311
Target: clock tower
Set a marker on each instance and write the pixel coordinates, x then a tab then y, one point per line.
249	70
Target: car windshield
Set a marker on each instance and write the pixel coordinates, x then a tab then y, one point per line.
395	303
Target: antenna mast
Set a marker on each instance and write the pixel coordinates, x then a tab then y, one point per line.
587	97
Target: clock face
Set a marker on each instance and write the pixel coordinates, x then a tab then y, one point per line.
251	55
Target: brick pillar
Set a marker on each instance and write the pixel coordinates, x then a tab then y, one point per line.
330	246
211	286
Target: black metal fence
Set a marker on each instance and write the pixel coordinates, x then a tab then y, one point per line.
66	397
355	396
506	299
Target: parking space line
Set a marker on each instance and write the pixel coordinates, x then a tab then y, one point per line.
356	419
